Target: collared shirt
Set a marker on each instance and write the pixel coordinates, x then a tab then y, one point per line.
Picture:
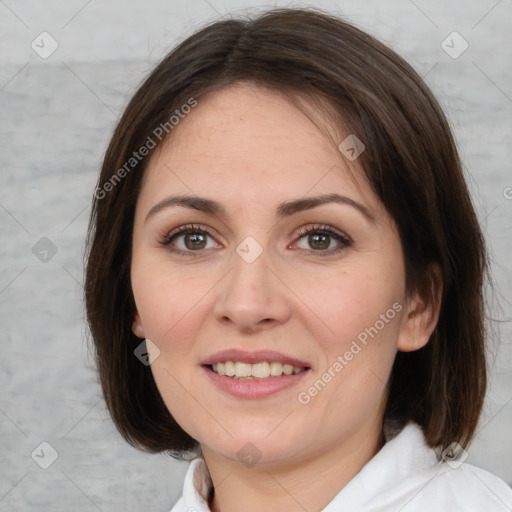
405	475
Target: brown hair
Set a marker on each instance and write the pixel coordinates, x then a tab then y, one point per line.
410	160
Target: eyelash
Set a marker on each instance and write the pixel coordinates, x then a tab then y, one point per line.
190	229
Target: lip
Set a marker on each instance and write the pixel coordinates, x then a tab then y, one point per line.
257	356
253	389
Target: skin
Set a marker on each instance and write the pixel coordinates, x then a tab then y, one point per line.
250	149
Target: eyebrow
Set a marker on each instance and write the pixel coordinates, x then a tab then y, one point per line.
283	210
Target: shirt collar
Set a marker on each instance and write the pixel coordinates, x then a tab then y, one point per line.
197	486
404	452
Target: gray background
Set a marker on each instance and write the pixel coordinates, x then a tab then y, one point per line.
57	116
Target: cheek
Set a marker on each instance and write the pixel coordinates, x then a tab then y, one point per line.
362	310
168	299
354	301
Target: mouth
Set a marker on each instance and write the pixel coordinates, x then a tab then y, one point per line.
239	370
257	374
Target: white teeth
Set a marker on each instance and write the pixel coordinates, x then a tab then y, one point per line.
276	369
287	369
263	370
243	369
229	368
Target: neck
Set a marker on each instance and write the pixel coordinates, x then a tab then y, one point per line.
282	486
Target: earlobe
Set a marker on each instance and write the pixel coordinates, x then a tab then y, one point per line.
422	312
137	328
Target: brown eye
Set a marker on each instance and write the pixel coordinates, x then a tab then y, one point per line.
194	241
322	241
319	241
188	239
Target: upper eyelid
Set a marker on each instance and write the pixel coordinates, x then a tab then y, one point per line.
325	228
300	233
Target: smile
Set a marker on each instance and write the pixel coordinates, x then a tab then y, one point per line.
260	370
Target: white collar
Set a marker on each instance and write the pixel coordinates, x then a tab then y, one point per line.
398	477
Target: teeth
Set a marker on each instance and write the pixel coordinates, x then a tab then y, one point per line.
263	370
243	369
229	368
287	369
276	369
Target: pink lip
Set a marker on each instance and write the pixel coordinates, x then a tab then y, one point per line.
257	356
253	389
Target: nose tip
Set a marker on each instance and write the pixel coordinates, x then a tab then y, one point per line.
252	298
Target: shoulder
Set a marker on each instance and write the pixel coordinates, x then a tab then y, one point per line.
179	506
442	485
406	475
456	489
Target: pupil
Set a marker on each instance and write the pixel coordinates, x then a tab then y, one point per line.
321	241
195	240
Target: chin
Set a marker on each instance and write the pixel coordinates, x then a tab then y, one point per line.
257	447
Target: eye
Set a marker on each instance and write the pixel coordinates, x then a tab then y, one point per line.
322	240
316	240
188	239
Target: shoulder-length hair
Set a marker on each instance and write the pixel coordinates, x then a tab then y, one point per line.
410	161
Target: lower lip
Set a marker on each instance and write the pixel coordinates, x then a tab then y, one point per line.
254	388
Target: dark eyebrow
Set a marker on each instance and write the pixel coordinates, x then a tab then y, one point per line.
284	209
299	205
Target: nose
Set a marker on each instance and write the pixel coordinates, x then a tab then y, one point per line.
252	297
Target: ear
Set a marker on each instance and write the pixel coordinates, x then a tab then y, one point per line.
137	328
422	311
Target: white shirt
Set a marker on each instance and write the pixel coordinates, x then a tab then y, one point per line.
405	475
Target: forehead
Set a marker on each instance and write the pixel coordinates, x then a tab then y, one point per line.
244	143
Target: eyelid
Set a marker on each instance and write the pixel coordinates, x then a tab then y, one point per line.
185	229
325	228
344	240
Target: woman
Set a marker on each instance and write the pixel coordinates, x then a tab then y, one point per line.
284	280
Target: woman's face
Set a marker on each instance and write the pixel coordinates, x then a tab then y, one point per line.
275	260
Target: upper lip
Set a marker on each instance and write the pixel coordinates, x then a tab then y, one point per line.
256	356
